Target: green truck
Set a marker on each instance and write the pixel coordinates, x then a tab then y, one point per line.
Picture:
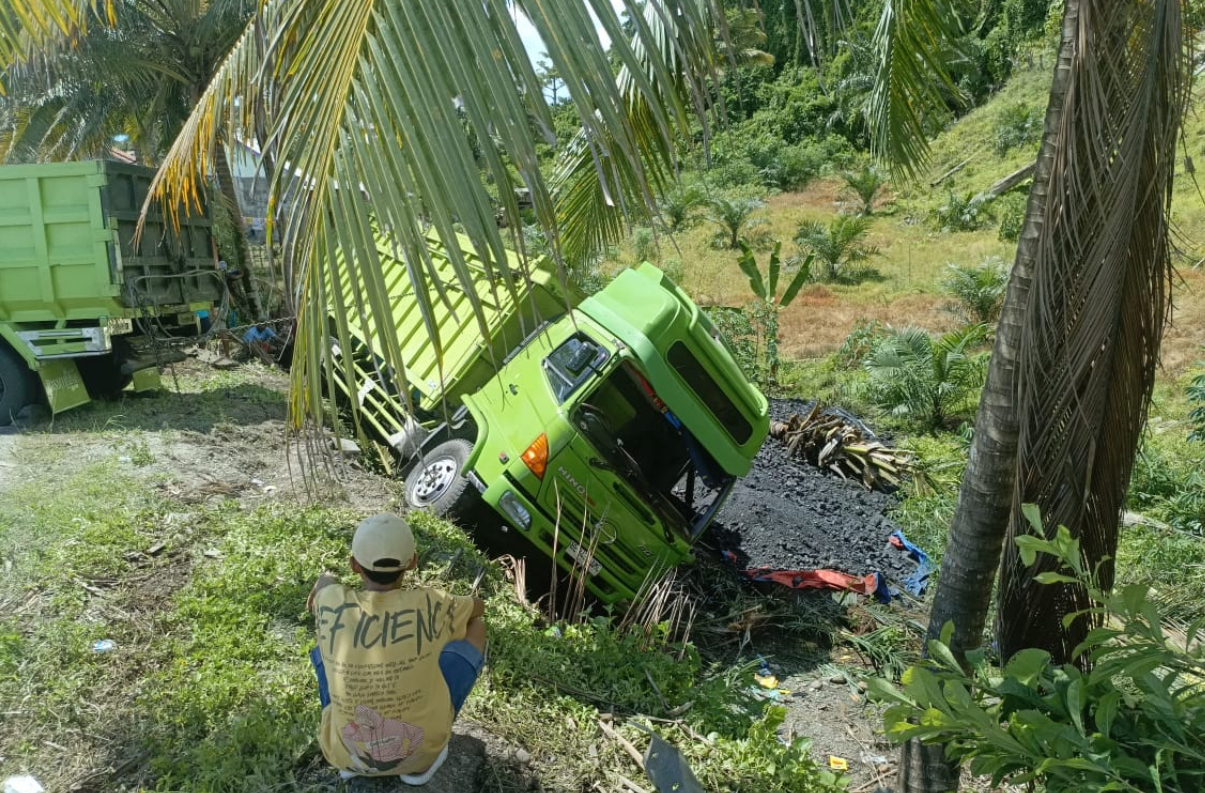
85	304
605	431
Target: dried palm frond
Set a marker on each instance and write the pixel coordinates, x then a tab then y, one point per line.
828	440
1099	301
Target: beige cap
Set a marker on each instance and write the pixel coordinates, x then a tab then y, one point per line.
383	543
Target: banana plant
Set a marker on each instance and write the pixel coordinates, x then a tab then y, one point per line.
769	303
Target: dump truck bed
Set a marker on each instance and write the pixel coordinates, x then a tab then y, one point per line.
470	359
67	247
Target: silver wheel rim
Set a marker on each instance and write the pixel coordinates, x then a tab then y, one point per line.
434	480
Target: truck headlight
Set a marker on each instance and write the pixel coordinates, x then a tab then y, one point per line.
518	513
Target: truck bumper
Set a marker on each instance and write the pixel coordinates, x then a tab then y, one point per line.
542	530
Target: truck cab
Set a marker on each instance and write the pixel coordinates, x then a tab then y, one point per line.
612	437
605	431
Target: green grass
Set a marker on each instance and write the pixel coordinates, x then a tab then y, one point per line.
209	687
970	139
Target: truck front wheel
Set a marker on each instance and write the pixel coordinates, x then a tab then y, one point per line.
17	384
437	484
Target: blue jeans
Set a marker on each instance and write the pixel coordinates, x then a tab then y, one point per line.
460	663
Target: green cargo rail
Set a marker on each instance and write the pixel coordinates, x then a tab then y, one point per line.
469	359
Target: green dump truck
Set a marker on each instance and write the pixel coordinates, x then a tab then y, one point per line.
606	431
81	303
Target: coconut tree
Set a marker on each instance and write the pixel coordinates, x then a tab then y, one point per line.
1073	362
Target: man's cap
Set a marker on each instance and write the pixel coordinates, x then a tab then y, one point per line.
383	543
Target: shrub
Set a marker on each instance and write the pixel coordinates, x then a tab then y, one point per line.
914	376
968	212
793	167
1134	722
978	290
644	244
1168	481
1010	208
1017	125
673	270
587	277
1196	397
837	245
752	154
860	343
741	173
739	334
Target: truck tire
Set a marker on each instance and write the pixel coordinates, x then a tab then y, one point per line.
103	377
436	484
18	385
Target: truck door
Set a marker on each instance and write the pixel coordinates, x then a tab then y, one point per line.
609	485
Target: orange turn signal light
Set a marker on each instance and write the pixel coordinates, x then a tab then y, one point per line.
536	456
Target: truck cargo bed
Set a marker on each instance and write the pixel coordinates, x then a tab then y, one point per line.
469	359
67	247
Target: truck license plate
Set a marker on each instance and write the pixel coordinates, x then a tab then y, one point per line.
577	553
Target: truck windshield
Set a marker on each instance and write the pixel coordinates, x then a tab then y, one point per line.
572	363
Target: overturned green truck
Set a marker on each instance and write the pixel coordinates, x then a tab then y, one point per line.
84	303
605	430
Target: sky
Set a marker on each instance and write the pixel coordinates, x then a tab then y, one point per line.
531	38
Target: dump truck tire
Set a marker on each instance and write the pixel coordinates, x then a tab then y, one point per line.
103	377
18	385
102	374
437	485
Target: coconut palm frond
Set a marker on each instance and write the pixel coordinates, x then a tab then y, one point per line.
136	77
1098	303
911	80
30	29
599	194
365	109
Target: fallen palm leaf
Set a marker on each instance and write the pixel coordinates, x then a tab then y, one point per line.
826	439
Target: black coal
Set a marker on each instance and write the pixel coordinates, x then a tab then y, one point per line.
789	515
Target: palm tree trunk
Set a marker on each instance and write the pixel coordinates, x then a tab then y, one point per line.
981	518
1101	299
221	167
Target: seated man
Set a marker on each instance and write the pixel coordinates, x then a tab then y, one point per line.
261	340
394	665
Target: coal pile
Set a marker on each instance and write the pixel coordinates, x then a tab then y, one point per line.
789	515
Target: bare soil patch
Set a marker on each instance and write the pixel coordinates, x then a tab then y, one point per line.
817	323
